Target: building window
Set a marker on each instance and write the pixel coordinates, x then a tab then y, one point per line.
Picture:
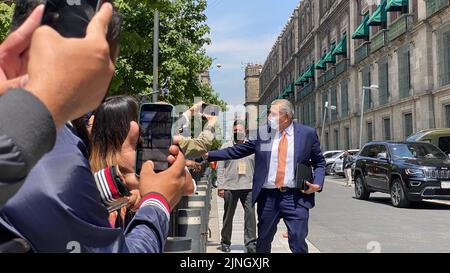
333	103
369	131
445	59
347	138
313	113
404	72
344	98
407	125
447	116
365	75
387	129
327	141
383	82
336	139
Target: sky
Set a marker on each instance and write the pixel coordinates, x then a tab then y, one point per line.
242	31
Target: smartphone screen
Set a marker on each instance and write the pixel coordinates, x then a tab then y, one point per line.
156	122
70	18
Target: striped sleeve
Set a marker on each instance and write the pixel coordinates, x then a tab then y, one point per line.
156	200
105	184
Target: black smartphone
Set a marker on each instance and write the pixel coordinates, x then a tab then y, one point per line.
210	109
70	18
156	126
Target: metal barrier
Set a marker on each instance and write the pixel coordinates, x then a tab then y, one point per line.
178	245
190	225
191	218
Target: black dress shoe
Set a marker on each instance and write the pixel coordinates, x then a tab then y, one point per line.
225	248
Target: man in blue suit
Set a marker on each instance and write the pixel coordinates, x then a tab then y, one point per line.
277	151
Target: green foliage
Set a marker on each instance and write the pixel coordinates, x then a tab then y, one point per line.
183	35
6	12
182	55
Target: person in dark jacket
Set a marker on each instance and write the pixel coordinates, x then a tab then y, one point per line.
32	106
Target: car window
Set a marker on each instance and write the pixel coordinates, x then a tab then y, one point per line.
416	150
444	144
370	151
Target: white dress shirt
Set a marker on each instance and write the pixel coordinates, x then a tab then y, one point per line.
289	172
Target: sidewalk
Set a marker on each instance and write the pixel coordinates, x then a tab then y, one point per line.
279	244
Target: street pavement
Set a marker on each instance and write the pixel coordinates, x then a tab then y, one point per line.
341	224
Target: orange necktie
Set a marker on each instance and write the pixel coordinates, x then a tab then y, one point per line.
282	154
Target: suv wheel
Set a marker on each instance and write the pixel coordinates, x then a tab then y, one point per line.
398	194
361	191
328	169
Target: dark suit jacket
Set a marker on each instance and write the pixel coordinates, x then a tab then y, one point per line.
307	151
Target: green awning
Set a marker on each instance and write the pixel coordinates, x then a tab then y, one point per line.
341	48
304	77
321	64
301	79
379	16
330	58
310	72
362	31
396	5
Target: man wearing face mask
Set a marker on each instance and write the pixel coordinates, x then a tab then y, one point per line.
278	153
234	183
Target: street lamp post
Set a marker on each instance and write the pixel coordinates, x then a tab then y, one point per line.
332	107
155	55
372	87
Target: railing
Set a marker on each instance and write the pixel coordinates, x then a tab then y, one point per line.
434	6
330	74
341	67
399	26
362	52
306	90
378	41
321	80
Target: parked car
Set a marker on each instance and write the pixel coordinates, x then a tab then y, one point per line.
330	157
439	137
338	165
408	171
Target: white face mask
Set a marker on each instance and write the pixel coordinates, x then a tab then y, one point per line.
273	122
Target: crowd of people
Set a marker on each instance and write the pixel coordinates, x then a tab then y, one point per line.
68	153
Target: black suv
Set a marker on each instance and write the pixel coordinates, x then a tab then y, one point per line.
408	171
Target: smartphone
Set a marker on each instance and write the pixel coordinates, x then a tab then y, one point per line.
70	18
210	109
156	124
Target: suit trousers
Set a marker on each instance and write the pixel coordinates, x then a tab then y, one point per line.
273	205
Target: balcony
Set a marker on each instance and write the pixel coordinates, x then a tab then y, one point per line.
321	80
399	26
362	52
378	41
306	90
434	6
341	67
330	74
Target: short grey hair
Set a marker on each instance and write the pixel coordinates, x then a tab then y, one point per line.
285	106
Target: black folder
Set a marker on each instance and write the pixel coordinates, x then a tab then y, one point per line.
303	174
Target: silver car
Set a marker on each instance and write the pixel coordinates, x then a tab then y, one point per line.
338	167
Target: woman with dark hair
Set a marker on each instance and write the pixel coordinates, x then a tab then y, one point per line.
110	127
